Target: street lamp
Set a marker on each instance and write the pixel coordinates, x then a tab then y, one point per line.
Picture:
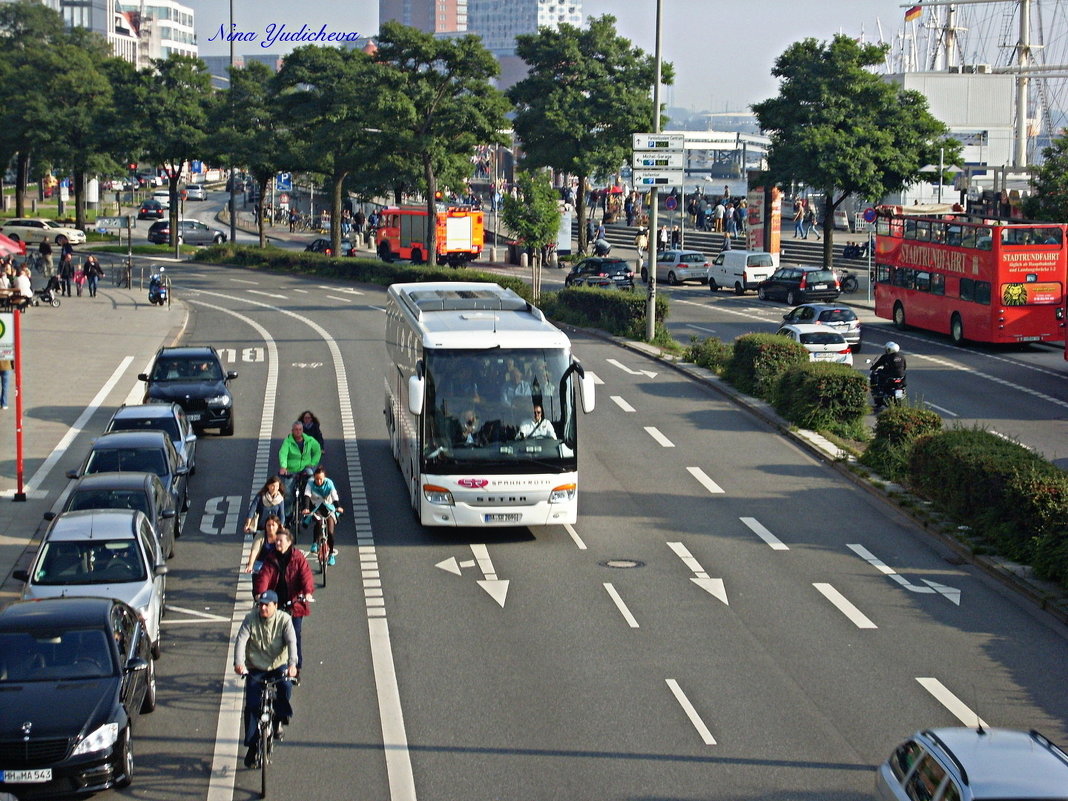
233	122
654	200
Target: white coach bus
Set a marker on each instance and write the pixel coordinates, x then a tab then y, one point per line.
481	395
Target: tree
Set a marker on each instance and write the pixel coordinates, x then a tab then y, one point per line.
587	92
535	218
840	129
1050	200
440	102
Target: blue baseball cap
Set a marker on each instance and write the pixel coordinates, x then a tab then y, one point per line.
267	597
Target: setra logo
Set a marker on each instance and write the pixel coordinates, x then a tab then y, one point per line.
473	483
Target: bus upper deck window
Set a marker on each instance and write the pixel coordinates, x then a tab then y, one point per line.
923	230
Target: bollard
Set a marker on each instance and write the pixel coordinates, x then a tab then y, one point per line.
524	260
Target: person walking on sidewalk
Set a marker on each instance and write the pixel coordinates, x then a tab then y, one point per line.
66	273
93	273
810	222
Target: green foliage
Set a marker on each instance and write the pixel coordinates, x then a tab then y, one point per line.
534	216
895	430
822	396
1050	200
759	359
711	353
619	313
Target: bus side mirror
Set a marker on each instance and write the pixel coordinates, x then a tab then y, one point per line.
415	394
586	390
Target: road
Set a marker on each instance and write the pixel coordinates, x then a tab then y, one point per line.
729	619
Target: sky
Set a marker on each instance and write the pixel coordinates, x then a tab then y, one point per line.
722	51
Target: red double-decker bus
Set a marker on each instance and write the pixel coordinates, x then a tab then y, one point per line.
975	279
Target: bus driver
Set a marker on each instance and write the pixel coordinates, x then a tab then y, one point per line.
537	427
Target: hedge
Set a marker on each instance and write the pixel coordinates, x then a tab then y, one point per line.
758	360
823	396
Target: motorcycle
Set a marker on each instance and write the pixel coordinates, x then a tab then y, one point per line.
885	389
157	288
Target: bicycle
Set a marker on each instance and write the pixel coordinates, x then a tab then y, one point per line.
320	538
293	514
849	282
268	727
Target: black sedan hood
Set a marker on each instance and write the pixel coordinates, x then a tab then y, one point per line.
179	390
57	709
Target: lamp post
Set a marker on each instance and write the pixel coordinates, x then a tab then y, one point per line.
233	122
654	200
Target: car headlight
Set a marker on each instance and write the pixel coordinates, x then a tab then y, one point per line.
435	494
562	493
102	738
219	400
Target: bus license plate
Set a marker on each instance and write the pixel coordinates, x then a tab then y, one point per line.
1029	339
503	518
26	776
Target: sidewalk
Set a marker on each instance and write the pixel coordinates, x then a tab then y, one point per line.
79	362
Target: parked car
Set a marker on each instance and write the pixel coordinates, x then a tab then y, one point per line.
601	271
141	491
139	452
190	232
798	285
103	553
195	192
82	671
822	343
325	246
166	417
839	318
33	229
151	210
961	764
676	266
193	377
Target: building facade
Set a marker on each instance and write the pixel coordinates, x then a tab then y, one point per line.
429	16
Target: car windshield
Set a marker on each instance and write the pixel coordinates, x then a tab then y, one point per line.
822	338
130	460
80	562
51	655
107	499
760	260
186	369
168	424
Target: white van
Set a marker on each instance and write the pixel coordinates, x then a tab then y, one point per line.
740	269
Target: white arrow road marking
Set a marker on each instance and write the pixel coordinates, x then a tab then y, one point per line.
196	617
622	404
773	541
346	290
622	607
266	294
860	620
705	481
660	438
574	535
691	713
713	586
952	703
952	593
449	565
626	369
495	587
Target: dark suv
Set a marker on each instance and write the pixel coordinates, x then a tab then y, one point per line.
151	210
798	285
599	271
194	379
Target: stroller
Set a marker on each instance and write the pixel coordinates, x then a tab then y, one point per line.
49	294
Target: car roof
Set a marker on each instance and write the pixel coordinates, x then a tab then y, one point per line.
130	439
87	524
681	252
48	613
602	260
200	351
114	480
141	411
1005	763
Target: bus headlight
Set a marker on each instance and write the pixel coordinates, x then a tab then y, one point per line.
436	494
563	493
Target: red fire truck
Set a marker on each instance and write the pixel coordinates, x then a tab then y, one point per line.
402	234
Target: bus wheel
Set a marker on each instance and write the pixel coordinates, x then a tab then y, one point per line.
956	329
417	256
899	316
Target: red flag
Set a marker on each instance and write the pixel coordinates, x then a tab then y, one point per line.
913	13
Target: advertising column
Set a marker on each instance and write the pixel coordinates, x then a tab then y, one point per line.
765	217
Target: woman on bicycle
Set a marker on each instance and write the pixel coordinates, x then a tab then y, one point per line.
263	544
268	501
312	429
286	572
320	495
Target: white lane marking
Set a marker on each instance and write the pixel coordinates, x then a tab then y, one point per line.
704	480
574	535
713	586
626	369
346	290
941	409
1007	438
702	328
691	713
596	378
137	393
266	294
952	593
301	291
495	587
394	733
947	699
663	441
774	542
238	281
194	617
343	300
622	607
859	619
622	404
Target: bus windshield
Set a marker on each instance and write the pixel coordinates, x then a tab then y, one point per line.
511	409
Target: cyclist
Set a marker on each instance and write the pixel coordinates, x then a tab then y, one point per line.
320	493
268	501
265	649
287	572
298	454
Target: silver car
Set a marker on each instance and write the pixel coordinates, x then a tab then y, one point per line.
835	316
959	764
102	553
167	417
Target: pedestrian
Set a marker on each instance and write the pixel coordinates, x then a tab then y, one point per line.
346	222
45	251
676	238
732	221
717	214
799	219
641	244
79	279
810	222
66	273
628	209
7	369
726	243
591	229
93	273
294	215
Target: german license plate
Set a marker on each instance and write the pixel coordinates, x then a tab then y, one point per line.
819	286
825	357
1030	339
503	518
194	417
26	776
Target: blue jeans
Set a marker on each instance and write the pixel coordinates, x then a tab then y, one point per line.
91	280
5	386
283	709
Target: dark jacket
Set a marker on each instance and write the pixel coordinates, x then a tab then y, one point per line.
289	575
890	365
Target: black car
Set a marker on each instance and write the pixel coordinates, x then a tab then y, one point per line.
143	492
151	210
797	284
75	674
603	272
324	246
193	377
190	232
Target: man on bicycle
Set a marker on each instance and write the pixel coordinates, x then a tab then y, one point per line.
265	649
320	496
298	454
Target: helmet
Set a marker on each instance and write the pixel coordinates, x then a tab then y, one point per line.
892	347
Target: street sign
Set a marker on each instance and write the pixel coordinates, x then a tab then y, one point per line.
869	215
111	222
7	336
670	160
671	203
659	177
283	182
659	141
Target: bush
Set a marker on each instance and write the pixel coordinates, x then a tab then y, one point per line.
895	431
619	313
758	360
822	396
711	353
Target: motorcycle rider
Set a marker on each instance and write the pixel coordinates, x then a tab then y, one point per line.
891	365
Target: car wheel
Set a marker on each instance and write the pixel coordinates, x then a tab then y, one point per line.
673	279
228	429
712	285
956	329
899	316
738	288
157	647
761	293
148	704
857	348
126	760
219	239
791	298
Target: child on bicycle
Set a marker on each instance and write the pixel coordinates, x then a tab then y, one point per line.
320	496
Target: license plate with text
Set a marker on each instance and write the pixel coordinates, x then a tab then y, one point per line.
26	776
503	518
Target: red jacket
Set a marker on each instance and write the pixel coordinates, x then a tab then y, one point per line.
298	581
